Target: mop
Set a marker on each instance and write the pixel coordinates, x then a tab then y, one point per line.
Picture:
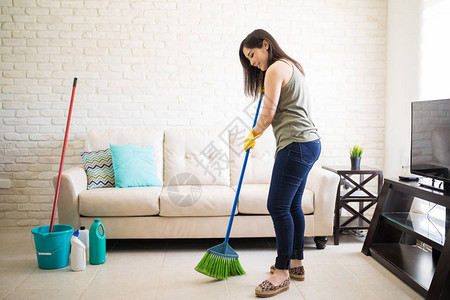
222	261
62	155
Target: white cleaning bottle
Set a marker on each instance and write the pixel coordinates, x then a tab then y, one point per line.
77	254
84	237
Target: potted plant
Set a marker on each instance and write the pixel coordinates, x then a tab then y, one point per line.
355	157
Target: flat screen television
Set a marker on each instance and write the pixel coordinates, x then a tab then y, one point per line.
430	141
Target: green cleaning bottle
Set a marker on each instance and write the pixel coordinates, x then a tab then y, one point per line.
97	243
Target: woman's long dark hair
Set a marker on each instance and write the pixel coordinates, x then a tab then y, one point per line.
254	77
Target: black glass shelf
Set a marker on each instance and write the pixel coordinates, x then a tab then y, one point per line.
425	226
395	229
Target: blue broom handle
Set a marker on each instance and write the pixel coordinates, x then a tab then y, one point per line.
238	191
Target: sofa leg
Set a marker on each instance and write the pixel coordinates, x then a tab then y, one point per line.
321	241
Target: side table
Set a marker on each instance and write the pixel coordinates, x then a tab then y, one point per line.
356	193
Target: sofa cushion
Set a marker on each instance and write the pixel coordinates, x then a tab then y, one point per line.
199	152
134	166
260	161
97	139
99	168
253	199
108	202
196	201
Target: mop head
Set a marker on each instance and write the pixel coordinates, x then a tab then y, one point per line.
220	262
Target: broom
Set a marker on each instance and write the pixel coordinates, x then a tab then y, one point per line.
222	261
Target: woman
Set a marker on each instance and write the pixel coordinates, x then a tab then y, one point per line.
286	107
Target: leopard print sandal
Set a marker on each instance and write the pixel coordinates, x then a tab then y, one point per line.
267	289
297	273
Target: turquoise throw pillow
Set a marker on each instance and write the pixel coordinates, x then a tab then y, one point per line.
134	166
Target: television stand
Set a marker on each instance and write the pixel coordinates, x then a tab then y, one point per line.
393	232
432	186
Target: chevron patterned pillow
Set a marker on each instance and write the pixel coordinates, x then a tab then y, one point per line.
99	168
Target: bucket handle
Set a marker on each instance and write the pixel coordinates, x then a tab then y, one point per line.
48	253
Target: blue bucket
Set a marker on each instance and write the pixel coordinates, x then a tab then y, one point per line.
52	248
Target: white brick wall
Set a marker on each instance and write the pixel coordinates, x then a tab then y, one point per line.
171	63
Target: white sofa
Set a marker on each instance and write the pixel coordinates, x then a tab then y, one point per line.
200	170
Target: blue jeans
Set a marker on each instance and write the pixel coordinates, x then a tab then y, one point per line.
290	171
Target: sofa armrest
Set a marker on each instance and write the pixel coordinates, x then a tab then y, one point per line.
324	185
73	181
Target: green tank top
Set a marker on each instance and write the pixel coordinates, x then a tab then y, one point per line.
292	121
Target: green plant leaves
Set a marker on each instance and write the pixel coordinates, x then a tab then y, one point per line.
356	151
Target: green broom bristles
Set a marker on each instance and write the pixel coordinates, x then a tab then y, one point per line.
219	267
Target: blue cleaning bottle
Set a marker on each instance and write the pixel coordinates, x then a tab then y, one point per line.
97	243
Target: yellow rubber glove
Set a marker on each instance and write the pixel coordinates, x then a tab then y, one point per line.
250	141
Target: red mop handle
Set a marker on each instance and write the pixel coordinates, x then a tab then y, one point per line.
61	164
